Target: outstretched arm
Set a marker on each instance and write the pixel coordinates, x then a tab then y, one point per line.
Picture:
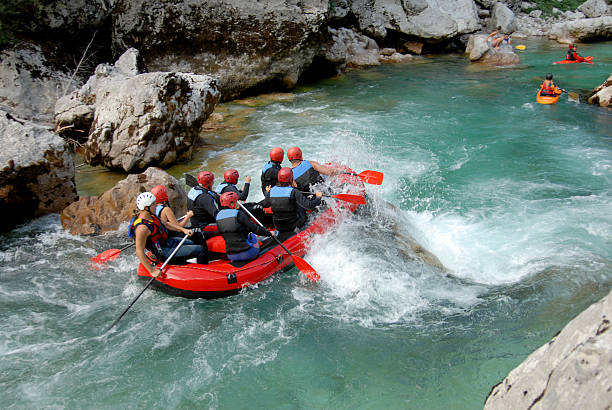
324	169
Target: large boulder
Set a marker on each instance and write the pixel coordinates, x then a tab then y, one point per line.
478	50
137	120
29	85
349	48
602	95
37	174
242	44
503	17
96	215
595	29
594	8
572	371
430	20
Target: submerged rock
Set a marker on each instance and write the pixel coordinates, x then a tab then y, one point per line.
136	120
602	95
37	174
573	370
96	215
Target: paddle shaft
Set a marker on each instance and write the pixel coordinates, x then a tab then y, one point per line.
148	283
260	224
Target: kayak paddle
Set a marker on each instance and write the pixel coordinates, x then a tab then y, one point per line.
572	95
300	263
148	283
354	199
520	47
369	177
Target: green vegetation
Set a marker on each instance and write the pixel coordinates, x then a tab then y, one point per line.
17	18
547	5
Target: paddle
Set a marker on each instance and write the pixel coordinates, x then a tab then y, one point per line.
369	177
112	254
148	283
572	95
520	47
354	199
300	263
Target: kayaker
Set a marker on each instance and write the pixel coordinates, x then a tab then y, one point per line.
548	87
288	204
239	232
230	179
269	173
572	54
149	233
203	201
306	173
166	214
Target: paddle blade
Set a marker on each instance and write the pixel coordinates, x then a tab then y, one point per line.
305	268
354	199
371	177
520	47
106	256
573	96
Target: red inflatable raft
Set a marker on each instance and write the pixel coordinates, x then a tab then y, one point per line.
223	278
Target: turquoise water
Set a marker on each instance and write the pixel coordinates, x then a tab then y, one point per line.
511	196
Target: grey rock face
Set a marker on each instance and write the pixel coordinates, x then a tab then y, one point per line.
242	44
572	371
138	120
479	50
504	17
595	29
37	174
594	8
29	86
352	49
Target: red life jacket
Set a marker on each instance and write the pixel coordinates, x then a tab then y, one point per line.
158	236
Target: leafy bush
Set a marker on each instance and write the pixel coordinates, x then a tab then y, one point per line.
564	5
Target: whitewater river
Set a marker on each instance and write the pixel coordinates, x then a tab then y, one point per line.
513	198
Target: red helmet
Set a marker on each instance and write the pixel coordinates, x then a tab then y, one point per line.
228	199
160	193
285	175
277	154
231	176
206	179
294	153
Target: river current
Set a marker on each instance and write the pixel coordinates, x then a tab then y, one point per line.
512	197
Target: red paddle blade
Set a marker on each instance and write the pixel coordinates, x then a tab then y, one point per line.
354	199
371	177
305	268
107	255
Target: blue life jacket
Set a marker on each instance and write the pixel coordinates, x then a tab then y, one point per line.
305	175
269	175
234	233
284	208
221	186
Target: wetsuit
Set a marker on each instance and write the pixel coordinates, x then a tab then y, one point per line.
227	187
269	175
288	207
239	233
305	175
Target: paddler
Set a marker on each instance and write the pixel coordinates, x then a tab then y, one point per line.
572	54
166	214
269	173
306	173
203	201
548	87
230	179
149	233
239	232
288	204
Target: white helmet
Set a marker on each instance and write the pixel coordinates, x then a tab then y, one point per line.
145	199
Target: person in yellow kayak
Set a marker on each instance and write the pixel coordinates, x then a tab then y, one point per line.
548	87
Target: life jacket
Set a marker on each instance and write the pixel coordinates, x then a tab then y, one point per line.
305	175
234	233
269	175
201	216
159	209
548	88
221	187
571	56
284	208
158	235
